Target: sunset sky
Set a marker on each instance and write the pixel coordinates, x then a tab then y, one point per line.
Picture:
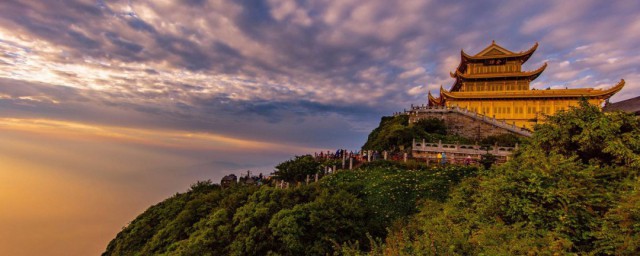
108	107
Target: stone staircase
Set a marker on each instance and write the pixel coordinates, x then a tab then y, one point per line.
422	110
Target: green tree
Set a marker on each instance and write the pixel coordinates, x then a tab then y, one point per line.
572	188
395	132
505	140
619	233
430	125
297	169
313	228
592	135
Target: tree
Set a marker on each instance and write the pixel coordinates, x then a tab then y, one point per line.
395	132
592	135
620	231
487	160
430	125
297	169
572	188
505	140
313	228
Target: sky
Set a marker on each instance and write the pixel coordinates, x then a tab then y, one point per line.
108	107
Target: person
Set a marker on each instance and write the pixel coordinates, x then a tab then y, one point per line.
438	158
444	158
467	160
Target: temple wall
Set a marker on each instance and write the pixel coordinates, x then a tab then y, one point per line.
522	113
463	125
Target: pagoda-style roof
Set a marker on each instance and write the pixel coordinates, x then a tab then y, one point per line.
433	101
529	74
551	93
460	77
630	105
494	51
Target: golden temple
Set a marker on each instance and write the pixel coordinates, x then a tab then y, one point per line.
492	83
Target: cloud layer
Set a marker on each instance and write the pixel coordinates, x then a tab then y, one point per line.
274	67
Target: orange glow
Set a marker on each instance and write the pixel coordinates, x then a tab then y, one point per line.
161	138
67	188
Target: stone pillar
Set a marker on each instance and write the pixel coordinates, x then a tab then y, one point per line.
350	163
344	159
368	155
405	157
385	155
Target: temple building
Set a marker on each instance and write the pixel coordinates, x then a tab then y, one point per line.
493	84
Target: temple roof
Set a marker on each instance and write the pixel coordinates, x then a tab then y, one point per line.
552	93
460	77
531	74
631	105
494	51
433	101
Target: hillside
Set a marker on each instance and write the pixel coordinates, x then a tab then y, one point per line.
341	209
572	188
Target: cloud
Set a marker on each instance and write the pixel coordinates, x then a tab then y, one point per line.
215	64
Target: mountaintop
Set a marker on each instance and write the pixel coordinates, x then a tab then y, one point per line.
572	188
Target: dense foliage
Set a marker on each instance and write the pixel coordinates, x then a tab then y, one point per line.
505	139
395	133
343	209
573	189
297	169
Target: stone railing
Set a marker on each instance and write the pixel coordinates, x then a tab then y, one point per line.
423	146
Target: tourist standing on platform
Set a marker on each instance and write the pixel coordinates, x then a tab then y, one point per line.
467	161
444	158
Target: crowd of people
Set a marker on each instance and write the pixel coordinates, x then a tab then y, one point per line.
339	154
363	156
441	158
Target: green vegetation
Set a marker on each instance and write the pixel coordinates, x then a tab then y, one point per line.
505	139
341	210
573	188
297	169
395	133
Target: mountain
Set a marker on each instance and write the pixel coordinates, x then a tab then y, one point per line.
573	187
